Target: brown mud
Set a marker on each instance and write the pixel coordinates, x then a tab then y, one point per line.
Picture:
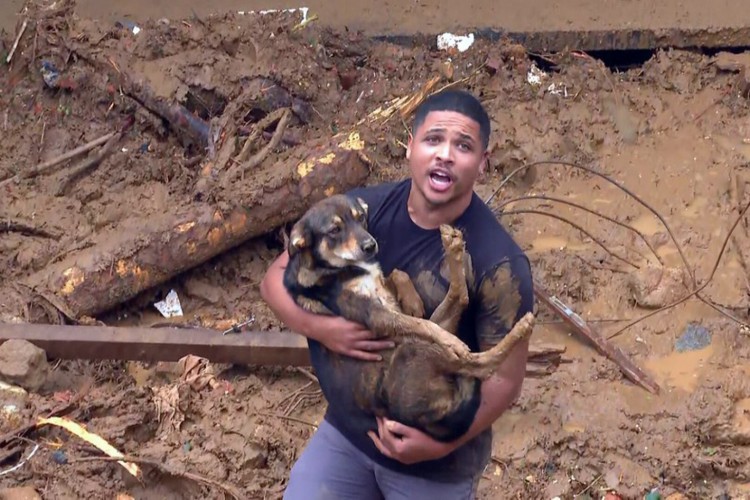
675	131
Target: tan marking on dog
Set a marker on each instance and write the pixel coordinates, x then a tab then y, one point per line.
348	250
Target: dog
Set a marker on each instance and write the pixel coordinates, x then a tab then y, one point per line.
430	380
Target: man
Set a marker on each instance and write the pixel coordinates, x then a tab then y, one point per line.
353	456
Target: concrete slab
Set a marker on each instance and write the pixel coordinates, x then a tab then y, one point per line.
541	24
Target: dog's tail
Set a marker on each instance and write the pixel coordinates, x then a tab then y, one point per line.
483	364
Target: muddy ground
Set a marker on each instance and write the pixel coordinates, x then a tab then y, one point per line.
675	131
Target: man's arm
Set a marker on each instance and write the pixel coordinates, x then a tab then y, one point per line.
336	333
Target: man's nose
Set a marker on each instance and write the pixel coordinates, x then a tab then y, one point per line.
444	151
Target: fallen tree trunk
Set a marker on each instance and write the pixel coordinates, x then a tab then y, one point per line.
143	253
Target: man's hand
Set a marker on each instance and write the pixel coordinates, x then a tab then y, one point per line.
334	332
407	444
350	339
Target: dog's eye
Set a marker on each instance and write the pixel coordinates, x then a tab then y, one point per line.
334	230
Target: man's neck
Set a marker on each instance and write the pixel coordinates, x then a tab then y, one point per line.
428	216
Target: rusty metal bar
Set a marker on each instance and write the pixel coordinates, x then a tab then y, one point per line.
162	344
606	348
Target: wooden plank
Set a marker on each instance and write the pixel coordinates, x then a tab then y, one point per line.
278	348
162	344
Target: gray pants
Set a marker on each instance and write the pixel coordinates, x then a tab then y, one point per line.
331	468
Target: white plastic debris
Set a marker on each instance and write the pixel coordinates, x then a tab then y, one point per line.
535	75
449	41
303	10
170	306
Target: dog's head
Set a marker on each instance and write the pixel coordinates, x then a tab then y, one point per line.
334	233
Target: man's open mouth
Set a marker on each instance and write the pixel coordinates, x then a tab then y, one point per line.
440	180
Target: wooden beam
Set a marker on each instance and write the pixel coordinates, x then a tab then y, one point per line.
278	348
162	344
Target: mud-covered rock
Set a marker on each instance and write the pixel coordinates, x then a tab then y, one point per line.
19	493
24	364
655	287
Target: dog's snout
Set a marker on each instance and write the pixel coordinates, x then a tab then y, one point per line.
369	246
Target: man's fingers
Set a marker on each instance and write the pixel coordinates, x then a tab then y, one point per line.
363	355
397	428
379	444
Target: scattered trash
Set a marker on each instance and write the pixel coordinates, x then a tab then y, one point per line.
91	438
237	327
128	25
170	306
556	89
50	74
694	338
653	495
303	10
450	41
22	462
535	75
59	457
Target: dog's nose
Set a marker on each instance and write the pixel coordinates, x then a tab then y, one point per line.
369	246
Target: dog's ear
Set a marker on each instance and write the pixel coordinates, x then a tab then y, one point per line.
299	239
362	204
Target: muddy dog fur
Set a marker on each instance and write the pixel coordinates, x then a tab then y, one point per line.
430	379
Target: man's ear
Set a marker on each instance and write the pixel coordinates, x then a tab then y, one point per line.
299	238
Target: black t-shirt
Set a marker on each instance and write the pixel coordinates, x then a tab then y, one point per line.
500	293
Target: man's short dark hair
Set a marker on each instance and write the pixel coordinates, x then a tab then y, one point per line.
459	101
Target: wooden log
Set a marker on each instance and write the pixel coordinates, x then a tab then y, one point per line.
262	348
142	253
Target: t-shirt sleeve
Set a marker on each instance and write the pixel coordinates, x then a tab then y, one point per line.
505	295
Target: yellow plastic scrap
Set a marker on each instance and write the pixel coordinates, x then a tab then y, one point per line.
91	438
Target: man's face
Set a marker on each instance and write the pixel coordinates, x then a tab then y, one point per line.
446	157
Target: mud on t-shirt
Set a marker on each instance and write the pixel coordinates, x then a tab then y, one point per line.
500	293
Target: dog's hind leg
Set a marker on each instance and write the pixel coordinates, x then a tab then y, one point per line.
449	311
483	364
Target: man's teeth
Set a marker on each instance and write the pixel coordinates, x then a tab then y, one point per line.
437	177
